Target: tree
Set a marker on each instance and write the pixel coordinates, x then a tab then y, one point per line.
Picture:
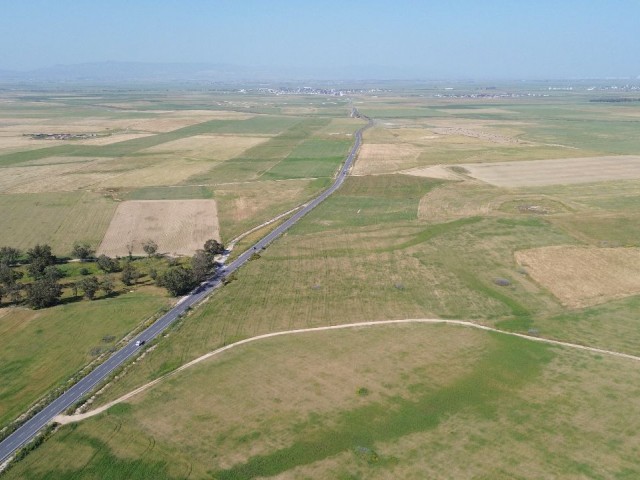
213	247
150	247
8	282
8	276
130	246
89	286
52	272
74	287
130	274
43	293
82	250
178	280
15	292
202	265
108	264
153	273
107	285
9	255
39	258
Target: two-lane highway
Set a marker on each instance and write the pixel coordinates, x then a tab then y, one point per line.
30	428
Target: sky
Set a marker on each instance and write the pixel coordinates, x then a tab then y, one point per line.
467	39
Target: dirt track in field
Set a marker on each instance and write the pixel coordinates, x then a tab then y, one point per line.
65	419
179	227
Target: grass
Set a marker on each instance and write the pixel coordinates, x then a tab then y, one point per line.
41	348
497	407
341	266
170	193
441	401
254	162
58	219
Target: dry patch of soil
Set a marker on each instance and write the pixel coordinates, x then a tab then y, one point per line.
584	276
179	227
557	172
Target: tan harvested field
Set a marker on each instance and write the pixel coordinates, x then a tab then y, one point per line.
437	171
156	122
218	147
179	227
161	170
556	172
385	158
584	276
65	176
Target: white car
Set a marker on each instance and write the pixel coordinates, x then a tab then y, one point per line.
139	343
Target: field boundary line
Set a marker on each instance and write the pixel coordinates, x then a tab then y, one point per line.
64	419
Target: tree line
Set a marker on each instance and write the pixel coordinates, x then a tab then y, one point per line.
45	286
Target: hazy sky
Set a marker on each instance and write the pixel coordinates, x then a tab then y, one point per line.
445	38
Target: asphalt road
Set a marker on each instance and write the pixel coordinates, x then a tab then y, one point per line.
29	429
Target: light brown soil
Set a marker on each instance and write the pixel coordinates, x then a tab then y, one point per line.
557	172
179	227
584	276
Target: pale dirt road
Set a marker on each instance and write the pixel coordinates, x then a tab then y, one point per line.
64	419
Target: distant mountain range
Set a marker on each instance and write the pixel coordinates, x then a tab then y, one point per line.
109	73
137	72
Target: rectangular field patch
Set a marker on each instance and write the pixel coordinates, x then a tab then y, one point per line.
556	172
179	227
584	276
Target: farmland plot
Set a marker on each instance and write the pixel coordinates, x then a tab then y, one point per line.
557	172
179	227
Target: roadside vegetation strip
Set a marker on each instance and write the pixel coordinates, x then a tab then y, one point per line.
64	419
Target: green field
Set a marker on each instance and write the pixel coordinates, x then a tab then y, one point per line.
40	349
389	402
408	401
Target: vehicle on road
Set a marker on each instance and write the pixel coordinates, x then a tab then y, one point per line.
139	343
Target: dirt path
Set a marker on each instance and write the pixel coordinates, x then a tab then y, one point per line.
64	419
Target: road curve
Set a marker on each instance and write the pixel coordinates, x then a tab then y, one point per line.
36	423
